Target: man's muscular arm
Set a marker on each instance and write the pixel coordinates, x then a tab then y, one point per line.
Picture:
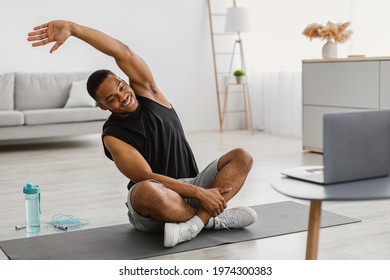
141	78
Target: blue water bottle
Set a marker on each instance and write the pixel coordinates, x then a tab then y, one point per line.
33	208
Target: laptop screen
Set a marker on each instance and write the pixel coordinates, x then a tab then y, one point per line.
356	145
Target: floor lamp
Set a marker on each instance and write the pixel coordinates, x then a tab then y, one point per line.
237	21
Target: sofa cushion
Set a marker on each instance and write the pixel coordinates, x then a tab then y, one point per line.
43	90
7	91
51	116
78	96
11	118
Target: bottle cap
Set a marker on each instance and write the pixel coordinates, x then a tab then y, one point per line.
30	189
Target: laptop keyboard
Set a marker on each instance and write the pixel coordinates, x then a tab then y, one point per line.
316	174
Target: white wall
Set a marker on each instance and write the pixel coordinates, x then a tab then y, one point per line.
274	51
371	24
276	41
276	47
171	35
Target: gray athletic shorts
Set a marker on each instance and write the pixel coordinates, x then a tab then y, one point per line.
204	179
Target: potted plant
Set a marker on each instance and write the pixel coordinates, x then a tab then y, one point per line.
333	33
239	74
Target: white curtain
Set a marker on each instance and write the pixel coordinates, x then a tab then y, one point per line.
278	94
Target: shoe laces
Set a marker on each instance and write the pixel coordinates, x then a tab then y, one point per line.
226	220
188	231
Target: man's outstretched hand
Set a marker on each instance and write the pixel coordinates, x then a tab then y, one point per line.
54	31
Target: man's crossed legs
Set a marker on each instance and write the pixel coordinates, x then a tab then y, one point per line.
182	219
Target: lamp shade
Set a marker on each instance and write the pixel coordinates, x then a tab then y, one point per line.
237	20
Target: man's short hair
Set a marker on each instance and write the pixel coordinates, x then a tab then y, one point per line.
96	79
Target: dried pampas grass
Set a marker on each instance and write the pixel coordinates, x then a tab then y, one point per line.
336	31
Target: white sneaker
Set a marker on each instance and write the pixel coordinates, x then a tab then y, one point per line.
234	218
175	233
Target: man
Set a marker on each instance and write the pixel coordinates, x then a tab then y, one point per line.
144	138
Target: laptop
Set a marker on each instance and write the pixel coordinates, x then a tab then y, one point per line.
356	146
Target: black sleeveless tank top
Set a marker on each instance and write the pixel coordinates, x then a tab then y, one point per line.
156	132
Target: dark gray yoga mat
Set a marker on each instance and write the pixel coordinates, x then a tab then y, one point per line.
122	242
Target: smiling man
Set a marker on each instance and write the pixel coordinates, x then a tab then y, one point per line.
145	139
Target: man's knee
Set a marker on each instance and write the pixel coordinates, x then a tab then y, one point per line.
245	157
239	155
145	194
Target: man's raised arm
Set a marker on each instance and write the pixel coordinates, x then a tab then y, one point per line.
132	65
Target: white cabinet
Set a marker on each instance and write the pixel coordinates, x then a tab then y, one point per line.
341	85
385	85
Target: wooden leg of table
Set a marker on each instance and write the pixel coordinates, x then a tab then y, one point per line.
313	230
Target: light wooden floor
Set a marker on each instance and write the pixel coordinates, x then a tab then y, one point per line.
76	178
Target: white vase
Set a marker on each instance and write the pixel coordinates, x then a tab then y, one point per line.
329	50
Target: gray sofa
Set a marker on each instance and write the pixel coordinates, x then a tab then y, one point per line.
36	105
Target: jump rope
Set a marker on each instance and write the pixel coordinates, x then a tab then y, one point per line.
65	222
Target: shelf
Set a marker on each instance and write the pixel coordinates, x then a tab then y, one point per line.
223	73
235	111
236	92
225	80
224	34
235	84
226	53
